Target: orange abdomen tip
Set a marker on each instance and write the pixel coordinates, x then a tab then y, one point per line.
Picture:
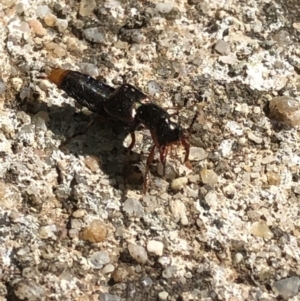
57	76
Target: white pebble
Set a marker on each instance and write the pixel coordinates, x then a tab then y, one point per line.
156	247
138	253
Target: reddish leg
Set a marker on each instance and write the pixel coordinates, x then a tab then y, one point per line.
149	161
186	146
163	152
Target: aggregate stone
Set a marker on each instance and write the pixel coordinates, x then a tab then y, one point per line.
288	287
235	203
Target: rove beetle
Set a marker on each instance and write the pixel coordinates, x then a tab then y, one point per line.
128	105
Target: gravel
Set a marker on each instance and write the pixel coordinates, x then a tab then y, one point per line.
224	226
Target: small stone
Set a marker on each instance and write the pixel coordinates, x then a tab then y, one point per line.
50	20
147	282
238	257
197	154
153	88
8	3
228	59
46	232
156	247
94	35
268	160
76	224
282	38
37	27
95	232
79	213
17	83
163	295
99	259
108	269
120	274
133	208
86	7
178	210
61	24
288	287
169	272
226	147
138	253
56	49
29	290
254	138
42	11
2	86
297	189
285	109
92	163
222	47
108	297
179	183
164	8
273	178
208	176
260	229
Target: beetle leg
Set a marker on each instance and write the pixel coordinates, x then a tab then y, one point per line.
186	146
149	161
163	152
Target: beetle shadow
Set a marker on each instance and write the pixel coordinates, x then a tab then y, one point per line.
92	135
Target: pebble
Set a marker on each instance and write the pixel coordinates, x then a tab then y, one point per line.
153	88
147	282
222	47
260	229
79	213
29	290
138	253
108	297
169	272
47	231
197	154
37	27
297	189
156	247
254	138
164	8
120	274
226	147
92	163
109	268
179	183
238	257
17	83
285	109
61	24
99	259
273	178
56	49
42	11
288	287
178	210
95	232
94	35
208	176
133	208
86	7
8	3
2	86
50	20
163	295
